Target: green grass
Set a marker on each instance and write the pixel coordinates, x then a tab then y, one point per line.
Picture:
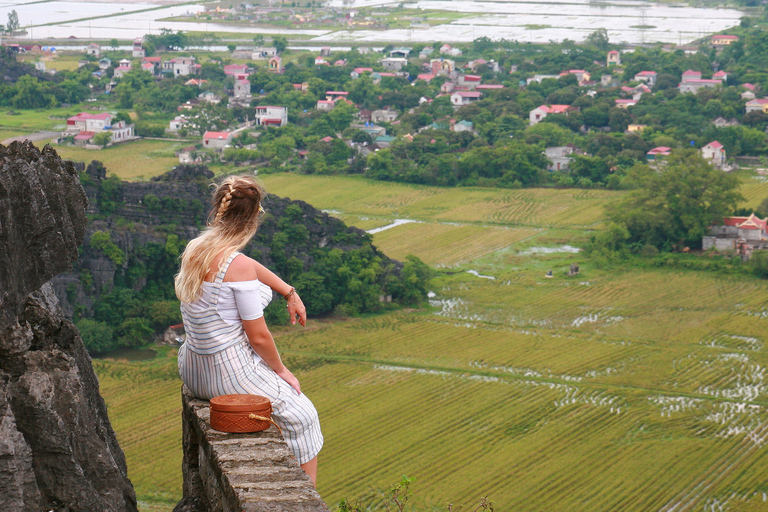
620	389
139	160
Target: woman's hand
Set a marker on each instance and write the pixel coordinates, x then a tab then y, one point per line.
288	377
296	309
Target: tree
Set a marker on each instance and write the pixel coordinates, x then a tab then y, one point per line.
673	208
13	22
258	40
280	43
231	47
114	44
599	39
102	139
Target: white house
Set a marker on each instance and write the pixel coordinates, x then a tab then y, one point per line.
265	52
178	123
89	122
460	98
181	66
271	116
691	75
559	157
384	115
93	49
242	88
649	77
325	105
715	153
138	51
121	70
540	112
693	85
216	139
756	105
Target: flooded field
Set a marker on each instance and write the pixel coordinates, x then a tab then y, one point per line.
533	21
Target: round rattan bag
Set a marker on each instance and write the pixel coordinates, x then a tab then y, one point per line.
241	413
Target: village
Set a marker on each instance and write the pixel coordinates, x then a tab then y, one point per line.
236	106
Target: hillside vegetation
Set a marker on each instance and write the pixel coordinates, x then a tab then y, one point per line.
619	389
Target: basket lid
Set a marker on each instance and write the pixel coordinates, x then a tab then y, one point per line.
240	403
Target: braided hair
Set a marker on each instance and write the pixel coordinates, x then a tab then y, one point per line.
233	221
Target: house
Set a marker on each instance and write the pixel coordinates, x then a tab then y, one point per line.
209	97
636	128
581	75
658	153
613	59
383	141
606	80
216	140
105	63
234	69
242	89
488	87
539	113
446	87
427	77
722	122
180	66
148	67
325	51
756	105
625	103
723	40
695	86
442	66
454	52
121	70
469	81
715	153
742	234
340	63
425	52
691	75
649	77
138	52
401	52
83	138
178	123
93	49
559	157
461	98
335	95
721	75
271	116
89	122
320	61
462	126
325	105
359	71
265	52
275	64
385	115
445	48
539	78
242	54
394	63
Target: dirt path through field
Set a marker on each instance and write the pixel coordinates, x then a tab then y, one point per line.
34	137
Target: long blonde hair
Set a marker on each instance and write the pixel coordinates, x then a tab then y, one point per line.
232	223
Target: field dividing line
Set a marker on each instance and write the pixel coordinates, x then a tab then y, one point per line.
506	376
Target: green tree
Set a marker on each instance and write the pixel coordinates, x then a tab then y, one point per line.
13	22
280	43
599	39
97	336
102	241
31	94
114	44
674	207
102	139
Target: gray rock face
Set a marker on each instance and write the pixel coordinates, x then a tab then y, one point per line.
57	448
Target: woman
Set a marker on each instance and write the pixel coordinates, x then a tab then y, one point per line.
229	348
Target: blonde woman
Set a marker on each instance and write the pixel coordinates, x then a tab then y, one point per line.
229	348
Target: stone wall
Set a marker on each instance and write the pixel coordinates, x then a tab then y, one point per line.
239	472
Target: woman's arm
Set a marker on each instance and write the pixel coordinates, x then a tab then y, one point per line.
262	342
296	307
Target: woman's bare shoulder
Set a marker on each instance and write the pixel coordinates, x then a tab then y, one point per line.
242	268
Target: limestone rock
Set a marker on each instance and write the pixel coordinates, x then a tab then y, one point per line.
57	448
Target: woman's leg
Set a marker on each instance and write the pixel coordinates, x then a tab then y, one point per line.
310	468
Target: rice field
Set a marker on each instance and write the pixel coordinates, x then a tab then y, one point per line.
631	390
138	160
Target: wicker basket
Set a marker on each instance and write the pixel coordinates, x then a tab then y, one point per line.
241	413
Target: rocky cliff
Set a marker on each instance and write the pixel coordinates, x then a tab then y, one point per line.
57	448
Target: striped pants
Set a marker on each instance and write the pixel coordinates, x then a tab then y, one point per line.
239	370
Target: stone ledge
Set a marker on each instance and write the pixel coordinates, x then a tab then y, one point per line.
240	472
